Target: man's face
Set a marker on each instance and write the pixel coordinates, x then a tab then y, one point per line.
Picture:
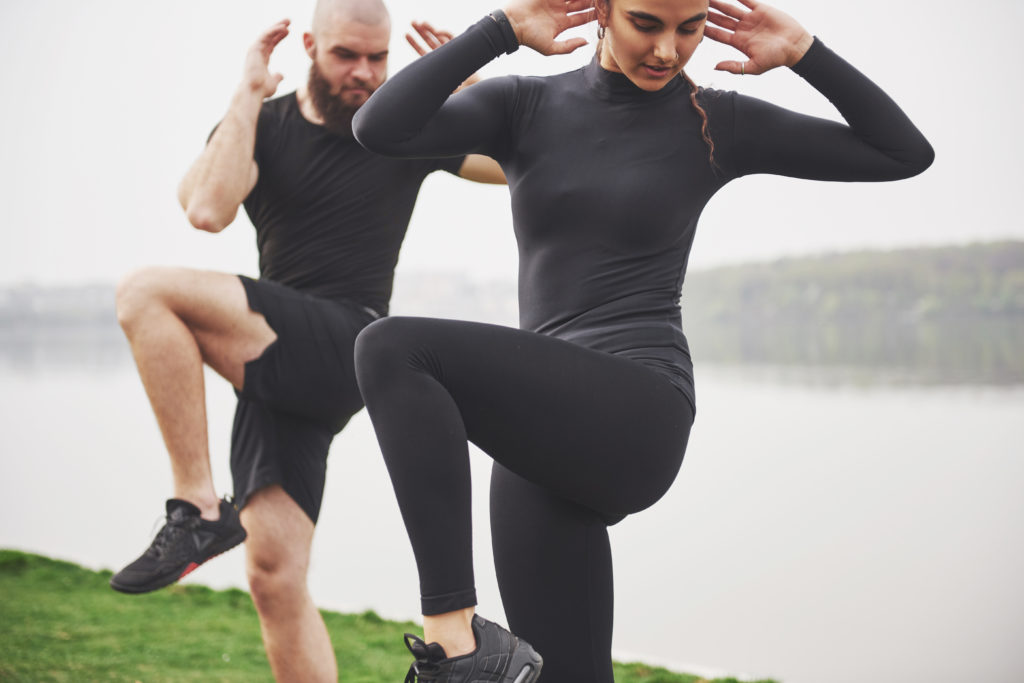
350	61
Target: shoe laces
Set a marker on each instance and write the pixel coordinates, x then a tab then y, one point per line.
173	528
422	672
427	667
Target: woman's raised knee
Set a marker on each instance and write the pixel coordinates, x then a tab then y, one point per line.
382	345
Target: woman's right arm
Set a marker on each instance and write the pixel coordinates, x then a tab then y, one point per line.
414	114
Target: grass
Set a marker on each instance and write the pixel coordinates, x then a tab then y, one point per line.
62	623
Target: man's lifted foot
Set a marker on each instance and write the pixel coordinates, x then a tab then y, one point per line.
185	542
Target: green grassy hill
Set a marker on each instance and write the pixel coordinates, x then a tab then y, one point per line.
60	622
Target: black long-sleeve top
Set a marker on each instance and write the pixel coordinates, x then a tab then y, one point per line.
607	180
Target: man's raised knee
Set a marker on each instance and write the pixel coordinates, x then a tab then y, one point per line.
138	292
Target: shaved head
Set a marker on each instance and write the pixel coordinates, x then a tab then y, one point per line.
329	13
348	45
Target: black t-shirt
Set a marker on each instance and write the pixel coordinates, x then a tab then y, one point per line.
608	180
330	217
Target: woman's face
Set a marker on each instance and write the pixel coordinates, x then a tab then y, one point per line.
650	41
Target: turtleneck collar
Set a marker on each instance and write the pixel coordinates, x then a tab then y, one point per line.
616	87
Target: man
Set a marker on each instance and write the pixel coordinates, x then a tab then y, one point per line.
329	218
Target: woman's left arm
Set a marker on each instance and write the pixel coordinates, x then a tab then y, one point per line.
879	141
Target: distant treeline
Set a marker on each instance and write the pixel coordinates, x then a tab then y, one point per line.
964	282
32	305
941	315
938	315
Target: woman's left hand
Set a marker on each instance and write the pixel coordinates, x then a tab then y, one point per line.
767	36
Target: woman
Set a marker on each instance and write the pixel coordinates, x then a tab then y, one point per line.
587	409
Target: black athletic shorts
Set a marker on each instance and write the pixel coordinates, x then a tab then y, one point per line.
297	395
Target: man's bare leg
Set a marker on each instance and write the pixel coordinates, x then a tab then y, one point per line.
175	320
277	561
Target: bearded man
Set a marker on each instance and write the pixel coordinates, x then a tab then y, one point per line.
330	218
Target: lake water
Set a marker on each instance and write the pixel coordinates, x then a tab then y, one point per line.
819	532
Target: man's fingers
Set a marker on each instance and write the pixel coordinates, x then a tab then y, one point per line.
430	35
277	31
429	38
415	45
272	36
428	26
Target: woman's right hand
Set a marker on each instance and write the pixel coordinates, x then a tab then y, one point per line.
538	23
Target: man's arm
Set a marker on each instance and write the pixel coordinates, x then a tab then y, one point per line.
225	173
481	169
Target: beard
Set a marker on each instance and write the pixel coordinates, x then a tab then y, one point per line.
333	109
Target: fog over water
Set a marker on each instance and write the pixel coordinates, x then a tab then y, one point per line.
834	521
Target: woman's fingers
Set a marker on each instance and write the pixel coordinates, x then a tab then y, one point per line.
578	5
728	9
538	23
564	47
721	20
747	68
581	18
718	35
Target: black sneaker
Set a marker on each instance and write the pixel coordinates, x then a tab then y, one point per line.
500	657
184	543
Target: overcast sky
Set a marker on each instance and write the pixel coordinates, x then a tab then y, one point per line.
108	102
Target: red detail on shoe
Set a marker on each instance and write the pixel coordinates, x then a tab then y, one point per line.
188	570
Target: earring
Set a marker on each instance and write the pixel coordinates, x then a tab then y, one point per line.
600	32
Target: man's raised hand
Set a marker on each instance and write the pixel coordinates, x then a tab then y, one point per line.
256	72
432	39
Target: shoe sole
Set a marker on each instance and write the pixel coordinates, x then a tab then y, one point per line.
179	573
527	662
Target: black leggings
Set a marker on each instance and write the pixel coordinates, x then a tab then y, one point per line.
580	439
